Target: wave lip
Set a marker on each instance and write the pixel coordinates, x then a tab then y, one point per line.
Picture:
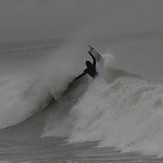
20	98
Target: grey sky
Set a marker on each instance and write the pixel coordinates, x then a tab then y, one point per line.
39	19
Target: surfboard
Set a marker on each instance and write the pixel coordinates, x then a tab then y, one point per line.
96	54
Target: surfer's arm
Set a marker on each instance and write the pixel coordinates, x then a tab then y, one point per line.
80	75
94	59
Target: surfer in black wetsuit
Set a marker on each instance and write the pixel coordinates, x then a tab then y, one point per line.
91	68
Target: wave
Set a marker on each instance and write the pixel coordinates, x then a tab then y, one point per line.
126	113
117	109
33	86
33	82
20	98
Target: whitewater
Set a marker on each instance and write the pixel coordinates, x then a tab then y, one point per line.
45	117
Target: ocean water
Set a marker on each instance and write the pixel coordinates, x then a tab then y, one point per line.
116	117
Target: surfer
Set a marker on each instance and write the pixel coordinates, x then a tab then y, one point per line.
91	68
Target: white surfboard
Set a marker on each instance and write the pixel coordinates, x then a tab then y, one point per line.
97	55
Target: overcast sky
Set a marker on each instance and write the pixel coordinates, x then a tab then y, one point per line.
41	19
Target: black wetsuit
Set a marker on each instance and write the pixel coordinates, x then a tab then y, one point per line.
91	68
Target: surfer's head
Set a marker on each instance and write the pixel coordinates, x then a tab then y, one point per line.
88	63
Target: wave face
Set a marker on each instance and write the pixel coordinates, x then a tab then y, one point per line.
118	109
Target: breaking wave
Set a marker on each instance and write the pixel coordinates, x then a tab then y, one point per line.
117	109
